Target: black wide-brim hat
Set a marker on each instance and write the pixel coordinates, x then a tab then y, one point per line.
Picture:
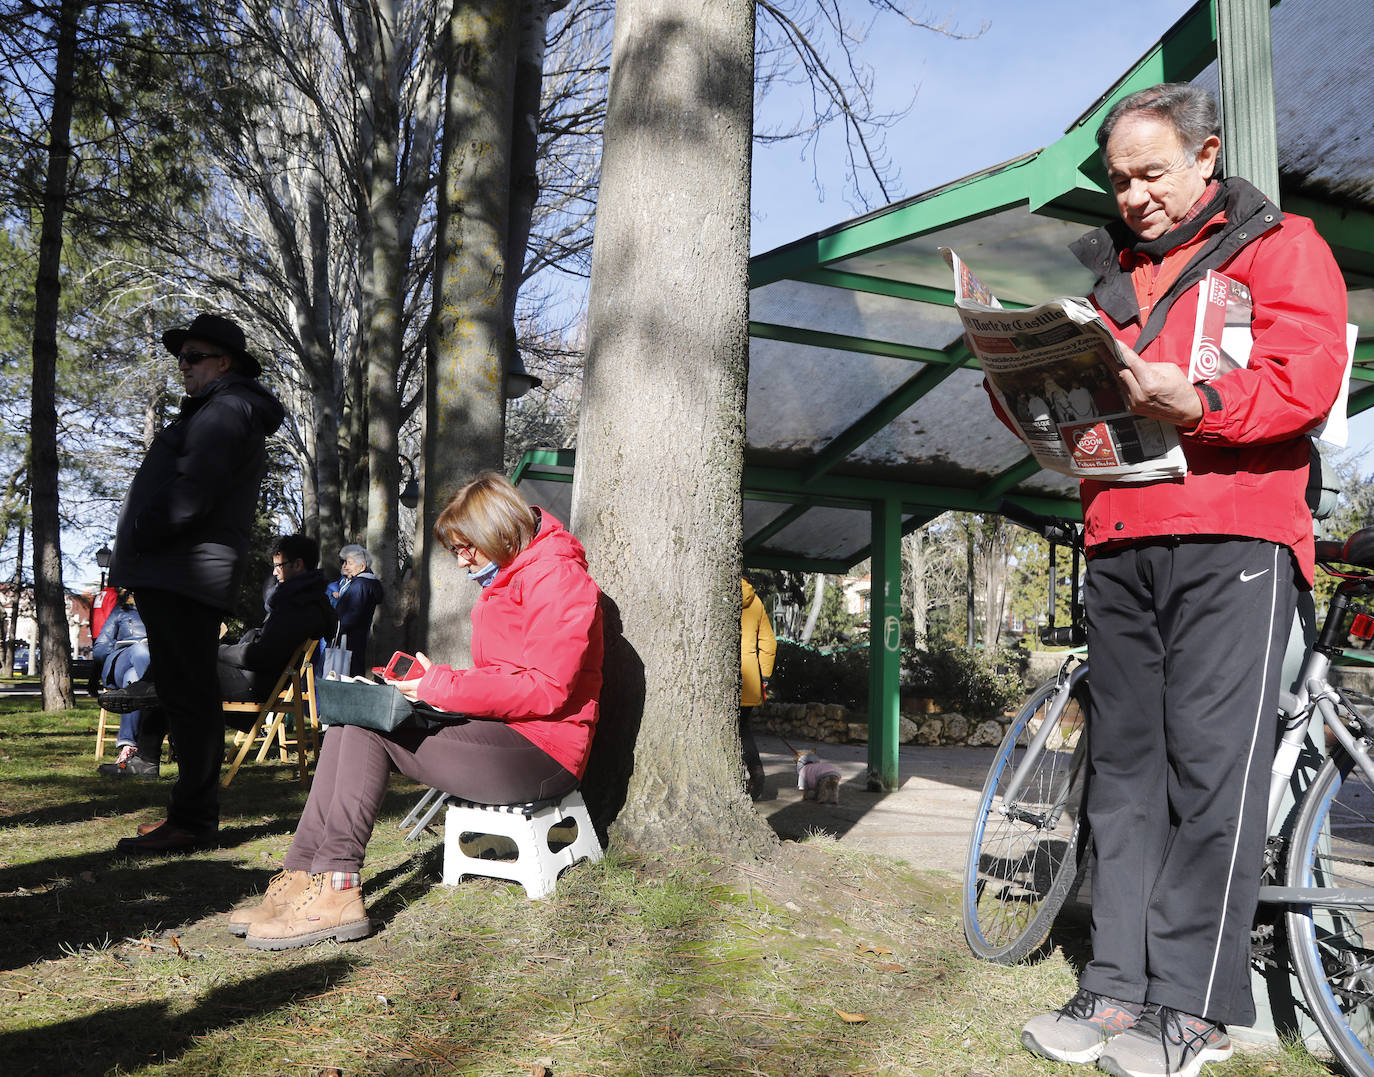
215	330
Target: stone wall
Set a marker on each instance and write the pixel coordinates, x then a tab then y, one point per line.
829	723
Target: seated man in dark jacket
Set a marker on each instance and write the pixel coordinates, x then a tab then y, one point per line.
298	609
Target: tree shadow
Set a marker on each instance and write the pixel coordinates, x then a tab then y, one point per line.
128	1038
607	780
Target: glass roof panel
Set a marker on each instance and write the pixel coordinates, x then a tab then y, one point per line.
1020	256
823	534
801	397
852	313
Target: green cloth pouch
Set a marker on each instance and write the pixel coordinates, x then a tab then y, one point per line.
375	706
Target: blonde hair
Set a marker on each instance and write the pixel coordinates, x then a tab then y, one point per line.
489	515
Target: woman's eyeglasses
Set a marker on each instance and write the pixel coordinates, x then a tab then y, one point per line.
463	550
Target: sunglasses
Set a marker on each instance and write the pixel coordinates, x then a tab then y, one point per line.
191	357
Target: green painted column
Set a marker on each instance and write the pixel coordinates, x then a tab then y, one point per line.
884	645
1245	59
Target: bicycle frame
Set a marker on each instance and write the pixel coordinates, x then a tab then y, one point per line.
1316	696
1068	678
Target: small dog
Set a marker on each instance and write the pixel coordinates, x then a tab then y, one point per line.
818	780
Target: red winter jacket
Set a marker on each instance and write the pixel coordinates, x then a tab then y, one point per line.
536	650
1247	456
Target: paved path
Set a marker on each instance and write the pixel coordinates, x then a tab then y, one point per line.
925	821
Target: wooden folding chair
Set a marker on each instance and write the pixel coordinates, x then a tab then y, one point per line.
107	727
294	697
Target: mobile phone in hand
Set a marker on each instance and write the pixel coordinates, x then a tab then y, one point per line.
402	667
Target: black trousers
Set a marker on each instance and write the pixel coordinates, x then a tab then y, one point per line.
183	641
1186	640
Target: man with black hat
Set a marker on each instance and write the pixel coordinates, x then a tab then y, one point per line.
180	542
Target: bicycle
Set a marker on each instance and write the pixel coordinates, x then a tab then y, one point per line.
1026	852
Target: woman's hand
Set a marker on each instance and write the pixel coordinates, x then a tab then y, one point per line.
410	687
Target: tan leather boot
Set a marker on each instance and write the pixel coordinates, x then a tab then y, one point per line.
320	913
282	891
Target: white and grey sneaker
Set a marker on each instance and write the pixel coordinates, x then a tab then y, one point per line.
1166	1043
1079	1030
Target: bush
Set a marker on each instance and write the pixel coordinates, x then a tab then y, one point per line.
806	675
976	683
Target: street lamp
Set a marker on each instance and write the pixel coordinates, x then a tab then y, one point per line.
102	558
518	381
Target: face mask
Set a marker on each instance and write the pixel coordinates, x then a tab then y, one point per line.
484	576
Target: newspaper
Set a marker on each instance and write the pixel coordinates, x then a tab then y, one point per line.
1052	369
1222	339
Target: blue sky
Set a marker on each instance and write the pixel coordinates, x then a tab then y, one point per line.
1020	85
1038	67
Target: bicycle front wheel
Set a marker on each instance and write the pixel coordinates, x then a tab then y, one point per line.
1332	941
1023	855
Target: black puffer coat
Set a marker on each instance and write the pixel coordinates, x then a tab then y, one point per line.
187	516
297	610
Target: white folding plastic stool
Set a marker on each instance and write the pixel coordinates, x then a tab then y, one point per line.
536	866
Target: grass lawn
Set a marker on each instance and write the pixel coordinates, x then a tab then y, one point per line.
819	962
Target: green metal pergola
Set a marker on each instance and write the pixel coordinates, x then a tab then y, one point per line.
866	415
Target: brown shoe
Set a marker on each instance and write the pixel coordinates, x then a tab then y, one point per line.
283	891
166	838
320	913
148	828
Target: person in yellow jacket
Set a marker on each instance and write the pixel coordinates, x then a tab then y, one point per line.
758	648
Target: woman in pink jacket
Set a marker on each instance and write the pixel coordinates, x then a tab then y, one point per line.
529	704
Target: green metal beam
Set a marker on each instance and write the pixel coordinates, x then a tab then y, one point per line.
780	522
997	189
864	282
877	418
885	645
994	490
899	289
803	564
850	491
816	338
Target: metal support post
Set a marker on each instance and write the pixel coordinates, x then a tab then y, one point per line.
1245	60
884	645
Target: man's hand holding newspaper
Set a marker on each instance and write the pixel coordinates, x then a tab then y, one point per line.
1084	404
1158	391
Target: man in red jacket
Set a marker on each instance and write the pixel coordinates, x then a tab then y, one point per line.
1191	588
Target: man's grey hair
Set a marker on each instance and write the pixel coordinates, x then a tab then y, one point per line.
1190	110
358	553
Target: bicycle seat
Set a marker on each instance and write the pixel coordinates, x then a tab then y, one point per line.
1359	548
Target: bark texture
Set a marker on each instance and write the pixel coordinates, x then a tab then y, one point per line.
470	342
660	447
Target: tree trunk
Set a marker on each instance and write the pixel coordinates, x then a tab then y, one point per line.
384	288
470	341
660	448
50	606
813	615
15	601
970	603
917	590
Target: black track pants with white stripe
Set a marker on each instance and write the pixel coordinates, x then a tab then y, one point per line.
1186	642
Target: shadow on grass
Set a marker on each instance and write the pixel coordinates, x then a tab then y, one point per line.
86	900
794	821
127	1038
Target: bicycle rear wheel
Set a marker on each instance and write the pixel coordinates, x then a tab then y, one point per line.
1332	945
1023	856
